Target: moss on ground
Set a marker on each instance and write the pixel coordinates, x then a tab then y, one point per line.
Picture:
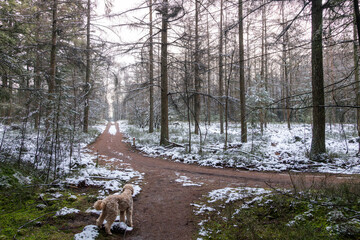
329	213
28	211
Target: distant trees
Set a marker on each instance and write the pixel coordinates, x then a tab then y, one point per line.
248	62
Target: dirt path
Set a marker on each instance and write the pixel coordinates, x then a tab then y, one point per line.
163	210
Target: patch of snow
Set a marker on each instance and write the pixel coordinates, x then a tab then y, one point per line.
233	194
92	210
112	130
65	211
226	195
335	215
4	182
72	197
121	226
90	232
202	231
22	179
112	185
202	208
41	206
99	176
186	181
100	128
57	195
137	190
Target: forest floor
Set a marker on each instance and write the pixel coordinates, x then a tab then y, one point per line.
163	210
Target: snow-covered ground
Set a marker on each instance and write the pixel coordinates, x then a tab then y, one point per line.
339	216
90	232
85	171
186	181
104	176
224	196
33	147
278	149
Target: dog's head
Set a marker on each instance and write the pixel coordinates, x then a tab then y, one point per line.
129	187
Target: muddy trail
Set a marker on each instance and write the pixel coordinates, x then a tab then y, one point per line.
163	210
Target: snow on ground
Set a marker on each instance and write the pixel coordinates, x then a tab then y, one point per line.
106	177
233	194
186	181
32	146
137	190
85	170
112	130
120	226
66	211
100	127
226	195
90	232
22	179
278	149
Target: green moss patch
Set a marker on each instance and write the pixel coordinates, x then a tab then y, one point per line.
29	212
329	213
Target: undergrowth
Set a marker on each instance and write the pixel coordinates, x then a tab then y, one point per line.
331	212
27	211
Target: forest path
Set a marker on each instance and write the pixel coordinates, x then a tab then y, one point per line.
163	210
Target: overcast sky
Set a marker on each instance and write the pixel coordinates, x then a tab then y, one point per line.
115	34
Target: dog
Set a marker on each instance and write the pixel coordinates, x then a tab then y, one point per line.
111	206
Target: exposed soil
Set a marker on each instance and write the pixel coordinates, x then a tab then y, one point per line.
163	210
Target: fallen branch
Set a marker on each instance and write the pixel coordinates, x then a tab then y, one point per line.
172	144
31	222
107	178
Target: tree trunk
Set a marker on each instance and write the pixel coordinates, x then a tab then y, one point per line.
37	77
196	70
151	72
51	78
164	133
242	75
318	131
209	71
248	55
265	59
8	81
357	18
285	67
221	108
87	74
356	71
262	66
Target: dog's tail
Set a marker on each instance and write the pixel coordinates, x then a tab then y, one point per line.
99	205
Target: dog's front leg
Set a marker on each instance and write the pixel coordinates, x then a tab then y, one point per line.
122	216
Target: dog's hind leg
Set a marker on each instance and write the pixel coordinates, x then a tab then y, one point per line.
129	221
109	221
122	216
100	220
